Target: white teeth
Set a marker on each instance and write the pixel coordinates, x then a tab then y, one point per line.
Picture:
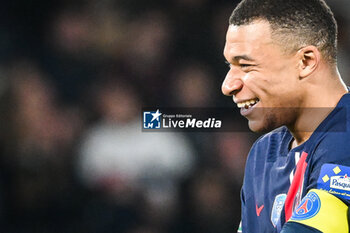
247	104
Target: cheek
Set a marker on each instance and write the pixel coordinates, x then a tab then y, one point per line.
257	82
285	75
251	79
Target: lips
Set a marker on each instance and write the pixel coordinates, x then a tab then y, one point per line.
247	106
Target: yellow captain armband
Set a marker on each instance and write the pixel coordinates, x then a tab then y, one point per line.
322	211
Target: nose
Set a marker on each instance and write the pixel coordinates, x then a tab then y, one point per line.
232	84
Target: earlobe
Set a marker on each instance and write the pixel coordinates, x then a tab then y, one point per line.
309	59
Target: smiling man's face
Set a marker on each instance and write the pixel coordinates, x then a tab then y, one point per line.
263	79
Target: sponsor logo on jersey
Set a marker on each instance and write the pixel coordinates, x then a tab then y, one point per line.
308	208
277	208
340	182
335	180
258	209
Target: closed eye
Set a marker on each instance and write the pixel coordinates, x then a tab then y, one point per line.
242	65
245	65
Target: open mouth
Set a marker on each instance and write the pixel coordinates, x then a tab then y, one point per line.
248	103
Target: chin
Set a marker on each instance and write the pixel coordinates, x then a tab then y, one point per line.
261	126
256	126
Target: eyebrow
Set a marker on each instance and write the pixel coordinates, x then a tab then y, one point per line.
243	57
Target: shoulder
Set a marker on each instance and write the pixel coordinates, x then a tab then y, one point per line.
330	164
333	147
269	146
331	141
272	136
271	139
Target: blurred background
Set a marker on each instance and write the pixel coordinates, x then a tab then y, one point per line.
74	76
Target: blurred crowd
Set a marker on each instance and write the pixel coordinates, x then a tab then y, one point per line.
74	76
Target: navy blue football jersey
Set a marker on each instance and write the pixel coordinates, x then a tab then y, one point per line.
277	178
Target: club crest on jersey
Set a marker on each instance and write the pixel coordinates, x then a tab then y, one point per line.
335	180
308	208
277	208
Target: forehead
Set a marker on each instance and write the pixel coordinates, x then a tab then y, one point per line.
248	39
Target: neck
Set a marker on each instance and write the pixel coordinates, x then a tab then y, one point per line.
318	102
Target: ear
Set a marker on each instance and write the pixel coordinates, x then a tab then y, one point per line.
309	58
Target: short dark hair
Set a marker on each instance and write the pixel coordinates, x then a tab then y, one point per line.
297	23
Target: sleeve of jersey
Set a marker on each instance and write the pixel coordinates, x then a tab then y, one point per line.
330	165
319	211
